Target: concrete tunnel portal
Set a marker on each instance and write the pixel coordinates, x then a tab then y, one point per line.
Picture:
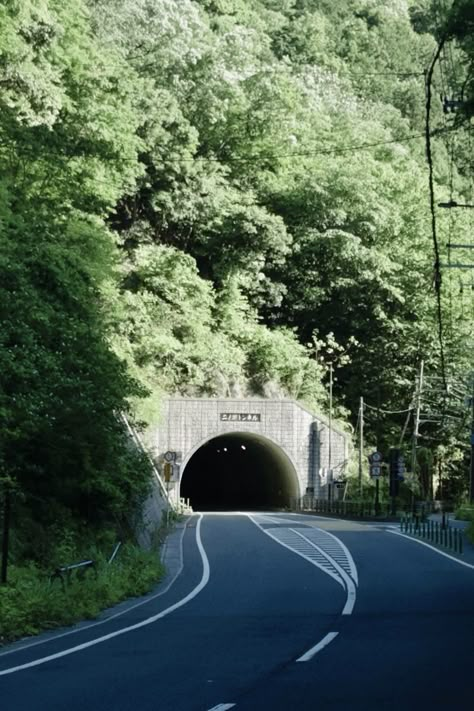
239	471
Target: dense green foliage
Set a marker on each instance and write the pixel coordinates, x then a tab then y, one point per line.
466	513
458	26
33	602
67	150
224	197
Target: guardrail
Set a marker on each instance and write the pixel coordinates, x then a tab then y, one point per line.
360	509
438	532
64	572
363	509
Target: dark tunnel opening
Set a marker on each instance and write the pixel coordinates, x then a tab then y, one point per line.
239	471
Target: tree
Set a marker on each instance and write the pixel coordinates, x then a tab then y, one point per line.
68	147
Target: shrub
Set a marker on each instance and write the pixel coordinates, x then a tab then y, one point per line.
466	513
32	602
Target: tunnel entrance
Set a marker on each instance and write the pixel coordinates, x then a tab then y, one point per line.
239	471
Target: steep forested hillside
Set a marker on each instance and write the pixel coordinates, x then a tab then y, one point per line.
226	197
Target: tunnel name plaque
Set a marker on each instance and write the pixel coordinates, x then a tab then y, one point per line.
240	417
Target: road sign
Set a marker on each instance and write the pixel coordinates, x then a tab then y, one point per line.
240	417
170	456
397	470
375	470
375	457
167	471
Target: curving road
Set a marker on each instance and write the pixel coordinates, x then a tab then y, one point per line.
268	611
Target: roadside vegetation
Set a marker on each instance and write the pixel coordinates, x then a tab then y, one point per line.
32	602
470	528
466	513
36	600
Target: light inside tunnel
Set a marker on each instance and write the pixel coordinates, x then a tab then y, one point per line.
239	471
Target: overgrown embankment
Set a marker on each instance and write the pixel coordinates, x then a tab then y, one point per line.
35	600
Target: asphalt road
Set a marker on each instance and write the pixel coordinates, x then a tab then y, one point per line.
269	611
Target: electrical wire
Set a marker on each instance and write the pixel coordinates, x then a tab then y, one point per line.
387	74
387	412
350	148
329	151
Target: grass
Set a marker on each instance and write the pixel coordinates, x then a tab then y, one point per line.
31	602
465	512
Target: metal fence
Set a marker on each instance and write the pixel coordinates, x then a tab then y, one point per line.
438	532
357	509
64	573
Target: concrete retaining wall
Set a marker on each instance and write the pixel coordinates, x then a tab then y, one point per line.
188	423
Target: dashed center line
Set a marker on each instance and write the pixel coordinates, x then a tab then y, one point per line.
318	647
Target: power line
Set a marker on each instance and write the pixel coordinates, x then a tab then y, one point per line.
387	74
329	151
352	148
387	412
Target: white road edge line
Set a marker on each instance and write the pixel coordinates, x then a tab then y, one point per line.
53	637
349	557
333	573
436	550
222	707
72	650
340	576
317	647
349	583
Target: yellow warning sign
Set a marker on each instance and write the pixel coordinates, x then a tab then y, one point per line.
168	471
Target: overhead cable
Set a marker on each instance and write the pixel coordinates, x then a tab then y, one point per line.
387	412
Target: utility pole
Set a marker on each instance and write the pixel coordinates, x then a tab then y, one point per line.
441	492
361	441
379	421
416	426
378	447
330	436
471	468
